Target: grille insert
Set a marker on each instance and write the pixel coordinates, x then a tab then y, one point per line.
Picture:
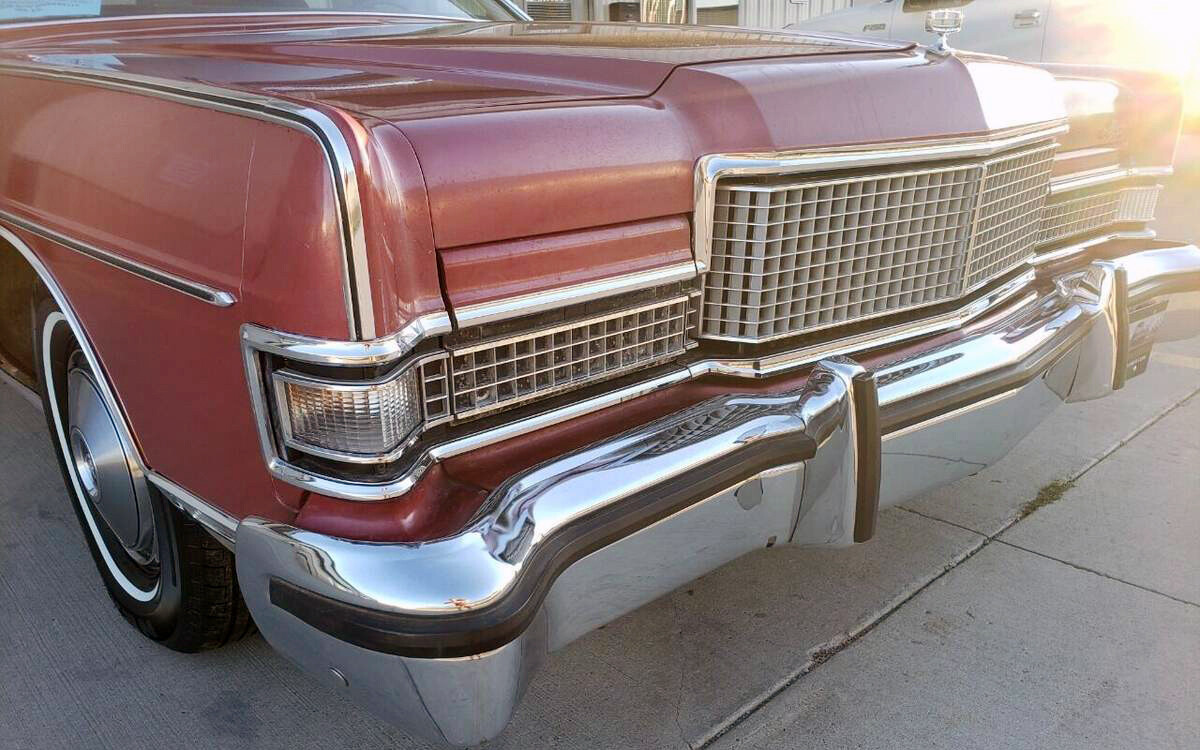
549	10
796	256
1077	215
1087	212
502	372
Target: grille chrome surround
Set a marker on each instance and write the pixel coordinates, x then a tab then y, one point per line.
790	257
499	373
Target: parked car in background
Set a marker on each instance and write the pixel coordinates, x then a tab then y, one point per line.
1156	35
432	339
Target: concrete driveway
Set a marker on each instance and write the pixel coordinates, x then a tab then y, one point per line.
966	623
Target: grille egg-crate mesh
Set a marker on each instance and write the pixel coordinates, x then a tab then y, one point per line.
1071	216
1138	203
1011	200
359	419
822	253
499	373
791	256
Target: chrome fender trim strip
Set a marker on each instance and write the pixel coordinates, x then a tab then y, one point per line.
220	524
202	292
356	277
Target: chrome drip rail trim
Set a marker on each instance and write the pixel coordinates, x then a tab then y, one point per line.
194	289
535	302
1103	176
356	286
711	168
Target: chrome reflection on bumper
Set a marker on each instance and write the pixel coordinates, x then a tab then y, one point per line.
442	637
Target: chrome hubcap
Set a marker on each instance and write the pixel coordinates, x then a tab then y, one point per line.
84	465
100	464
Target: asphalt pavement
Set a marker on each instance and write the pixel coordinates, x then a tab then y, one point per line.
965	623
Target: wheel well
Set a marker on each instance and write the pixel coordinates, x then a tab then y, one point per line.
20	288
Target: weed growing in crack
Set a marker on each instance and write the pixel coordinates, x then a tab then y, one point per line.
1051	493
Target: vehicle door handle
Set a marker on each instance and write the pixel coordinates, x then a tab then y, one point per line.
1026	19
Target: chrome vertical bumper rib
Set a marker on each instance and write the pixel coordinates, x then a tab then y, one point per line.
442	637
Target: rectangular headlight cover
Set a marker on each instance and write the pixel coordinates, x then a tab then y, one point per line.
347	421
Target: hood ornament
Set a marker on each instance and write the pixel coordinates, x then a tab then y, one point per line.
943	22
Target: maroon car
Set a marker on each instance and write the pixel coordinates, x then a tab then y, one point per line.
432	339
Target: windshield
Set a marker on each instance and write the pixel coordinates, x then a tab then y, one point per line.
19	11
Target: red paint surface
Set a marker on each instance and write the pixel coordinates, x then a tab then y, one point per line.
484	273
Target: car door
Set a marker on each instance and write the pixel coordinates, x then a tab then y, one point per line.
1013	28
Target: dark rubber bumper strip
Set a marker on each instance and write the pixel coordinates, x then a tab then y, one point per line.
869	450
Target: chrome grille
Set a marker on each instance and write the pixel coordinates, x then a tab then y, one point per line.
549	10
1011	198
1088	212
1077	215
1138	203
499	373
797	256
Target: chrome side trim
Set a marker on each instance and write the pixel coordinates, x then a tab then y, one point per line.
711	168
1079	248
194	289
356	277
526	304
1166	171
218	523
1104	176
215	520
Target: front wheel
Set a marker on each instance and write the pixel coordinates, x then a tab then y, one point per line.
167	576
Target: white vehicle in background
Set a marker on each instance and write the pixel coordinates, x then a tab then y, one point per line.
1152	34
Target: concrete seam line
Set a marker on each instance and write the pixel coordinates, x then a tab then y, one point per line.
1102	574
826	651
1075	478
823	652
1136	431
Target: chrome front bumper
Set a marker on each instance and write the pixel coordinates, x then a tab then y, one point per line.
442	637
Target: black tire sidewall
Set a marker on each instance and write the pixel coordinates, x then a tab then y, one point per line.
158	616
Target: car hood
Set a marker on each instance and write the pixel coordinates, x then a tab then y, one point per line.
403	68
